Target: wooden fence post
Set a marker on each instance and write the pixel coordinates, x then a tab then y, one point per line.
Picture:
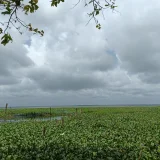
6	108
81	110
62	121
76	110
50	113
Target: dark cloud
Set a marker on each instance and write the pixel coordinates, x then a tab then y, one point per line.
49	80
151	77
7	80
139	50
12	58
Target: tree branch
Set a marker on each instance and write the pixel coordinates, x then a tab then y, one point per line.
8	23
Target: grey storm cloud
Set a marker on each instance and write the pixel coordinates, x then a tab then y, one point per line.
151	77
12	58
140	50
48	80
74	63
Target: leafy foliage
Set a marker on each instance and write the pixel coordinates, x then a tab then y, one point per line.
97	133
11	9
6	38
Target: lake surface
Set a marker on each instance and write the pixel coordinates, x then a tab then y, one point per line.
25	119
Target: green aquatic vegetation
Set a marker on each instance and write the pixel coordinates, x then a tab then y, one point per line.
97	133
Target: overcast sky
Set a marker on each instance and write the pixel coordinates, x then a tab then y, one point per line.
78	64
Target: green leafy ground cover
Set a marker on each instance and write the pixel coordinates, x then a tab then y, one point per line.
96	133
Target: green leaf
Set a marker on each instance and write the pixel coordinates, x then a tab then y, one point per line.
97	12
36	7
56	2
1	31
5	12
36	1
6	39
